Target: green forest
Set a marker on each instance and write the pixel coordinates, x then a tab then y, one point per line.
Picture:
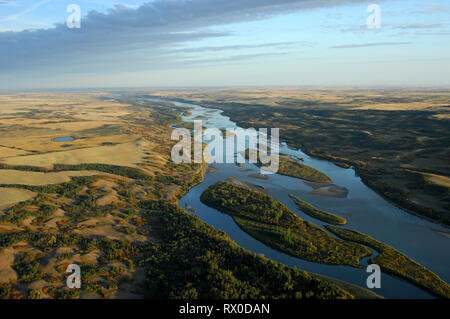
194	260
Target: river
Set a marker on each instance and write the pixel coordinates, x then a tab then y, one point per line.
364	210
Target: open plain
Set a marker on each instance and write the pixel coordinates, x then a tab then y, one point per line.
86	178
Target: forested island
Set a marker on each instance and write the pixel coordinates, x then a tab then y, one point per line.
293	168
312	211
269	221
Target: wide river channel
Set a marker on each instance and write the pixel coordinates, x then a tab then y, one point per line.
364	210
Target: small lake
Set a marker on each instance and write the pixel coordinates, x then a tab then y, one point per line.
63	139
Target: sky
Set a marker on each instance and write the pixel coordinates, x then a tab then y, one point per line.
191	43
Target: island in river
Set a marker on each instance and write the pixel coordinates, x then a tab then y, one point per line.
269	221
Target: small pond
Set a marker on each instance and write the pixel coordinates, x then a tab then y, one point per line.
63	139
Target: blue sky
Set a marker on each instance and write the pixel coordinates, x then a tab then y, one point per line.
223	43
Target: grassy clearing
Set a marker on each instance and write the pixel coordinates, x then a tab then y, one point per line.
38	178
9	196
127	154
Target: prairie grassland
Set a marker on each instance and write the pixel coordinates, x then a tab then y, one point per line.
438	179
127	154
42	143
13	177
7	257
304	97
7	152
55	213
29	122
9	196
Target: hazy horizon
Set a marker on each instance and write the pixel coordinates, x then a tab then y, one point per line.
171	88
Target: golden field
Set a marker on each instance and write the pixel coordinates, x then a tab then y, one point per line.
106	131
9	196
12	177
126	154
